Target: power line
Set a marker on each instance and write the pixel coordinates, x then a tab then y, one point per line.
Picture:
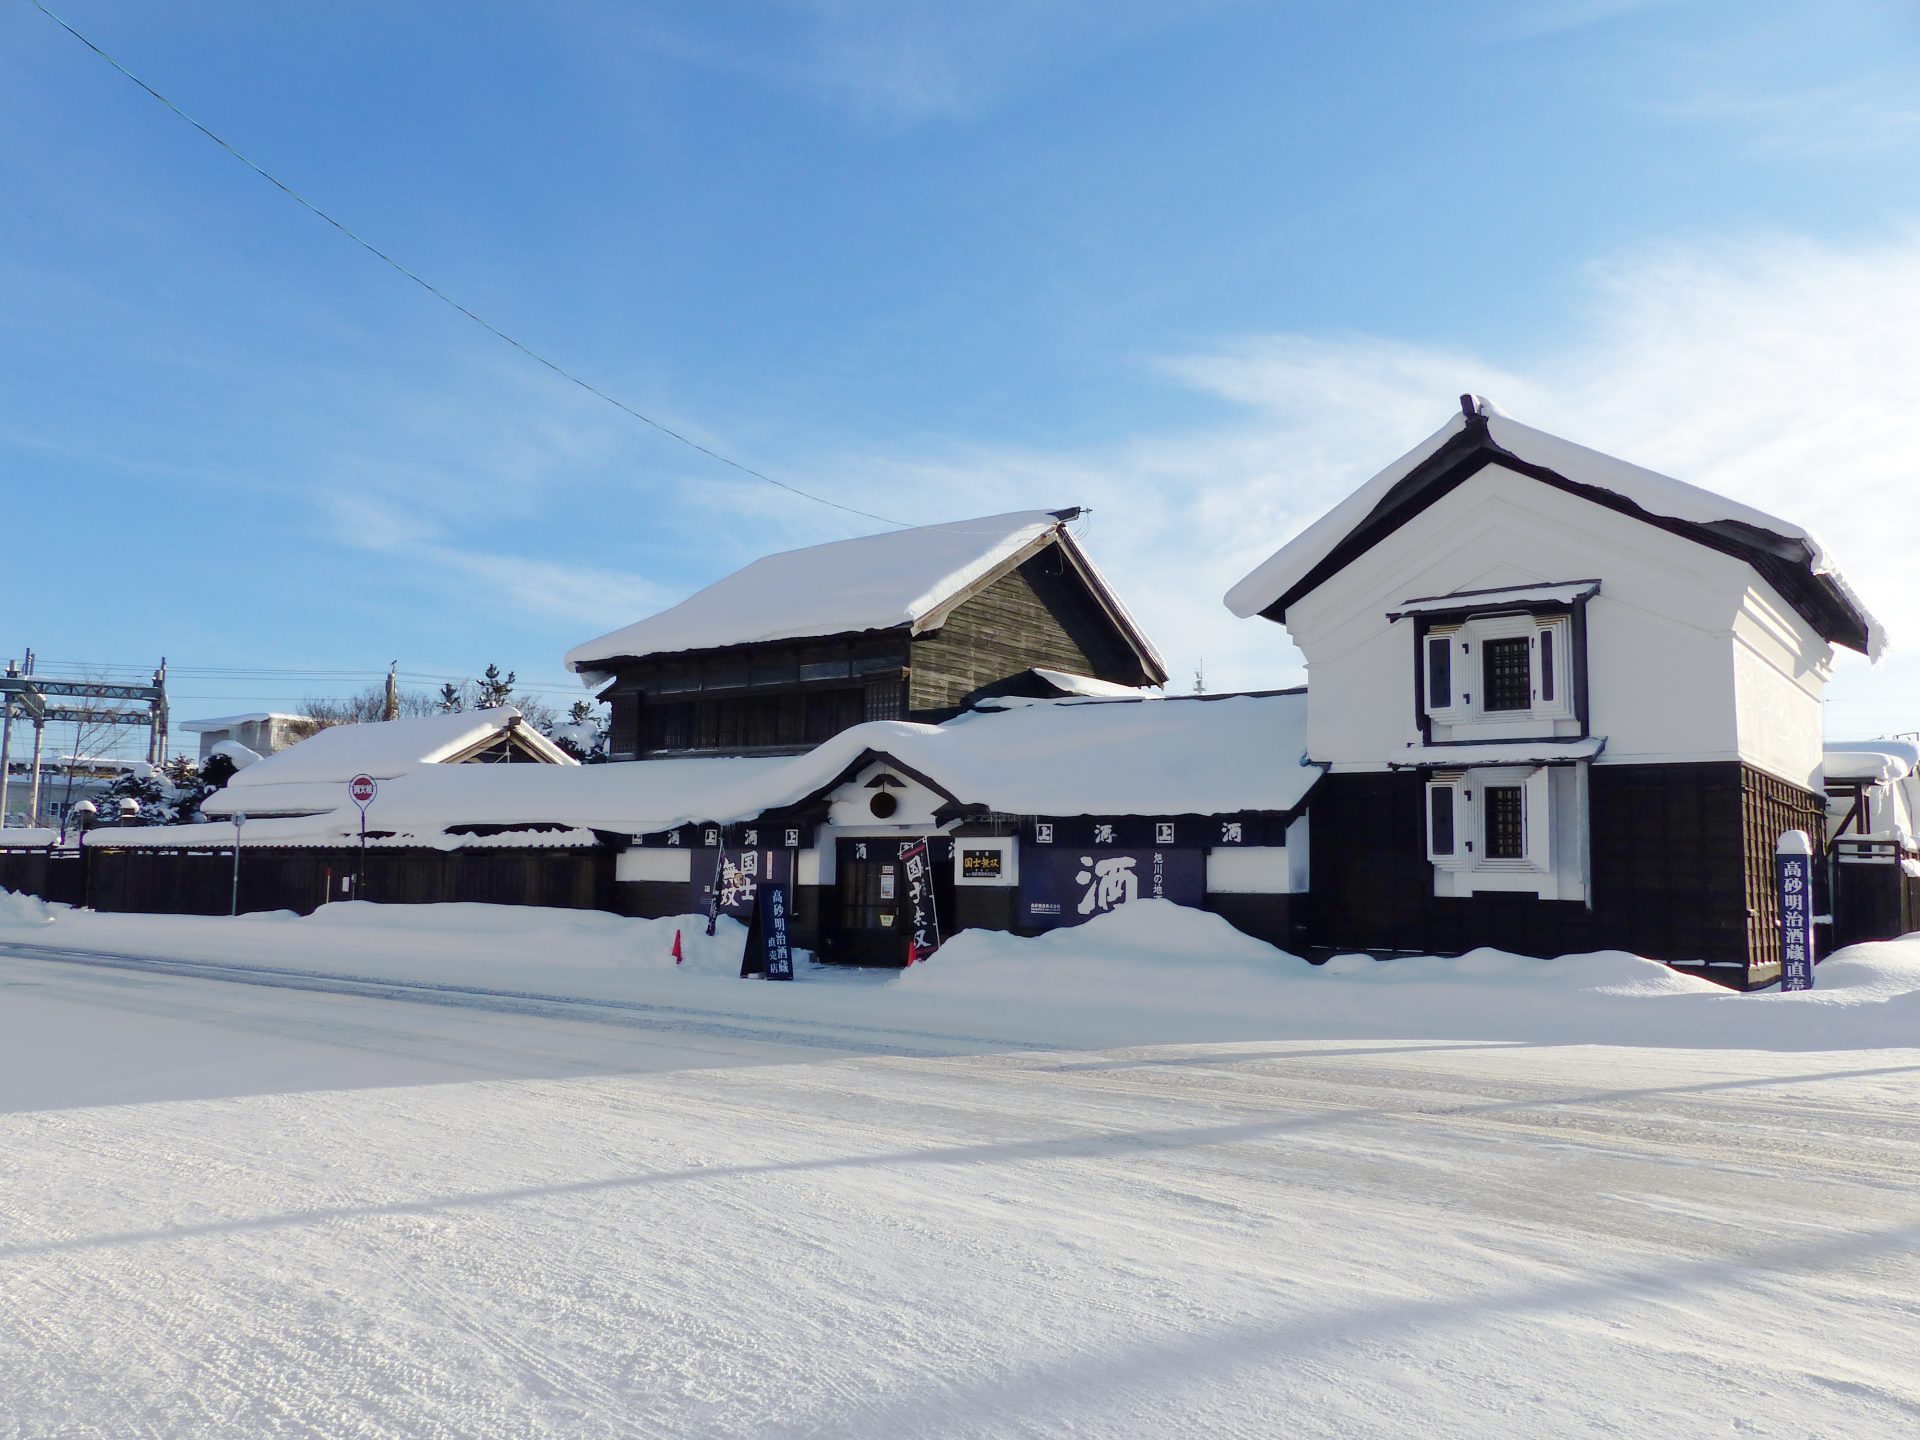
447	299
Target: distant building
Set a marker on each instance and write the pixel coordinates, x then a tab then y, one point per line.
310	778
263	732
909	625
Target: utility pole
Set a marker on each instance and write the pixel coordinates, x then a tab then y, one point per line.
6	742
392	711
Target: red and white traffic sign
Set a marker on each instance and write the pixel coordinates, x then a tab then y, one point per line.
362	788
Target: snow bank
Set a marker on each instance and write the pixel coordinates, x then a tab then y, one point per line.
25	910
1152	973
1182	965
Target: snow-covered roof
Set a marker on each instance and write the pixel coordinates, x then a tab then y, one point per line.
1174	756
227	722
1498	752
310	776
1841	618
1563	593
874	582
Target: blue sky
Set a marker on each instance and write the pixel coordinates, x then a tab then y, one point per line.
1201	266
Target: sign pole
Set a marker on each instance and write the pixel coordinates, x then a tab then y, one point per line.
361	789
1793	875
239	819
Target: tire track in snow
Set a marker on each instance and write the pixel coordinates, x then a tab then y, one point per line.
852	1037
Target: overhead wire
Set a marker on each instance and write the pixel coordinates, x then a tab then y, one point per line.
446	299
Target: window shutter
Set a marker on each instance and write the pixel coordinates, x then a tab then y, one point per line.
1440	821
1546	667
1539	819
1439	672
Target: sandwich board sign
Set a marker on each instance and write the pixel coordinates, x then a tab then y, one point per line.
769	949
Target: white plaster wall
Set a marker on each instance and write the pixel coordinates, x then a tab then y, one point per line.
1781	668
849	808
1661	632
637	864
1249	870
815	867
1299	873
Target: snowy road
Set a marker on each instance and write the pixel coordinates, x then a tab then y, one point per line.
238	1210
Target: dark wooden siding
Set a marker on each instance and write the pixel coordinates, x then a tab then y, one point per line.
1038	614
1681	871
1769	807
1272	918
767	699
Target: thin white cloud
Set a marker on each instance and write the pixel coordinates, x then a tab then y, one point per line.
1776	371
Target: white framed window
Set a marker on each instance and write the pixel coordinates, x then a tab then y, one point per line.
1498	672
1493	829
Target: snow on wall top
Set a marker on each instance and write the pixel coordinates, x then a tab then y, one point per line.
1174	756
1069	683
1653	492
1870	760
312	774
873	582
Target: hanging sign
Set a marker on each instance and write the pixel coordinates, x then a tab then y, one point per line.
924	920
1793	872
769	949
1071	886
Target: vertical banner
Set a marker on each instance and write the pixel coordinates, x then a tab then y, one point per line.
1793	871
713	890
923	936
769	950
738	871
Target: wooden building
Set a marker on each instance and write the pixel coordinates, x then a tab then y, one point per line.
907	625
1565	703
1020	815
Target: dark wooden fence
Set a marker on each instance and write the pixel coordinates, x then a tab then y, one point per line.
199	881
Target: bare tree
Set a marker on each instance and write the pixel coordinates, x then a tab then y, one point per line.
326	711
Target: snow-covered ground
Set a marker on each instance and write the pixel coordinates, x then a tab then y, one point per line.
1145	1177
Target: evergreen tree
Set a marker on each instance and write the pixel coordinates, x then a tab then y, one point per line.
491	691
451	700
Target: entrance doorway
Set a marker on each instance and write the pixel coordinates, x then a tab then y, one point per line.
875	915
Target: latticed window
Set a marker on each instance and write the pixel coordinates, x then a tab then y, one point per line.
1506	674
1506	811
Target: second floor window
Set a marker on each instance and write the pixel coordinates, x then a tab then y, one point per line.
1487	675
1506	668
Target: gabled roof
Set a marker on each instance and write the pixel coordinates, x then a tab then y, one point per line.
910	579
1786	556
310	776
